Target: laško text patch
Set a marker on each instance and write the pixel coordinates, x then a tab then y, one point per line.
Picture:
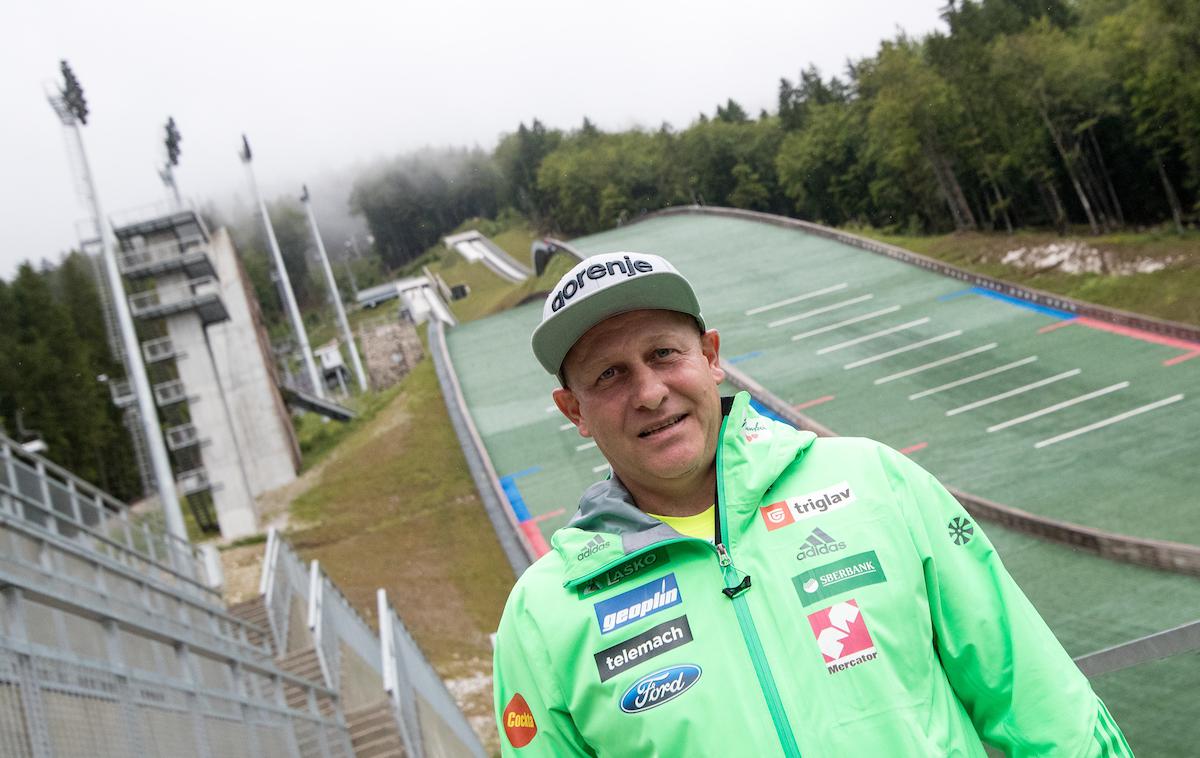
519	726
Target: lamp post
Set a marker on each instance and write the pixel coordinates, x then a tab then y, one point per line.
69	103
333	292
289	297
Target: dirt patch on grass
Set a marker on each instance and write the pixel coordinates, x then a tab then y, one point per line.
395	507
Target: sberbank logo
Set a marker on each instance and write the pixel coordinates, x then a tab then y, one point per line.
593	546
841	576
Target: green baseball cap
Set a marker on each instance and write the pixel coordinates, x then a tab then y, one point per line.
607	285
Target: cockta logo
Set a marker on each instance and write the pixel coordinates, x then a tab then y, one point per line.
595	272
655	689
519	726
639	602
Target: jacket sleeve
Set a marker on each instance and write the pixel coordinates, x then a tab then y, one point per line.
524	682
1023	692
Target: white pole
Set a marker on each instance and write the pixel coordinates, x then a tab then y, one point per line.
289	297
163	476
336	296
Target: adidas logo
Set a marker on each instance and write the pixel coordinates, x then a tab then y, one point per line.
593	546
819	543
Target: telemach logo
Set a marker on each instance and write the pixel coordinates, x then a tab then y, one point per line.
649	644
519	726
639	602
819	543
593	546
596	272
841	576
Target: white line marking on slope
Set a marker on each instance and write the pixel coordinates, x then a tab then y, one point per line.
973	378
796	299
566	426
585	446
939	362
816	311
1056	407
905	349
1108	421
847	322
867	338
598	469
551	408
1012	393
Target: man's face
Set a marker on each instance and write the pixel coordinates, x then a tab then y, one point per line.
643	384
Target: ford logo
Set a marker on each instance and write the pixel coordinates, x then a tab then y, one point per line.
659	687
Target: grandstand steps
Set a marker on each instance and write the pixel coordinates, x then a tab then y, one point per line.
373	731
302	664
254	612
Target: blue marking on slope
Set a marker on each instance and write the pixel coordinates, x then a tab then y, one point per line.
525	472
1043	309
745	356
765	411
520	510
956	294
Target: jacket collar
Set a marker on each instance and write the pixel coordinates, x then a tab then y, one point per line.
609	527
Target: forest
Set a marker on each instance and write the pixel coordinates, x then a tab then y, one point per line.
1022	113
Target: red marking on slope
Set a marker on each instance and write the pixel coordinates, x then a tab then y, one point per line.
1192	349
811	403
1057	325
535	538
551	514
1181	358
914	448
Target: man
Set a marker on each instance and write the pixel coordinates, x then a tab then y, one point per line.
741	588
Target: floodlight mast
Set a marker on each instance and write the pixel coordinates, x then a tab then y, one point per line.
68	103
167	172
336	296
289	297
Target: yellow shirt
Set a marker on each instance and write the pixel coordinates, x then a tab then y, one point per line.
699	526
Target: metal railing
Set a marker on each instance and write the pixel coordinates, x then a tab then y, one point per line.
160	252
184	435
181	295
42	495
159	349
347	649
431	724
284	586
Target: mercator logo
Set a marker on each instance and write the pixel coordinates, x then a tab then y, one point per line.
597	272
842	636
819	543
593	546
519	726
639	602
655	689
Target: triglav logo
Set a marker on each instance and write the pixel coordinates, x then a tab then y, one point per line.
639	602
819	543
594	545
661	686
842	635
822	501
776	515
595	272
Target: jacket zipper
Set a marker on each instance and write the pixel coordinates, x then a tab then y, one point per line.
735	589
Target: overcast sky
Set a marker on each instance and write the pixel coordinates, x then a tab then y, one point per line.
324	87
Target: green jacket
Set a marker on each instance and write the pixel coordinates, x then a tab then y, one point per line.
850	606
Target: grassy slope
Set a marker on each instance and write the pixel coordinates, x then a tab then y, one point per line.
396	508
1173	293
